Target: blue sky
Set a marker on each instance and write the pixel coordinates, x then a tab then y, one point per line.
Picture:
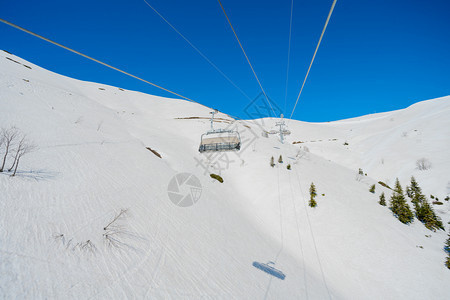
375	56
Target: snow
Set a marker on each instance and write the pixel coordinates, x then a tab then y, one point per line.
92	161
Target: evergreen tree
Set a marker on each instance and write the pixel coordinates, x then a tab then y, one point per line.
280	159
372	189
360	175
423	210
399	206
428	217
447	248
313	194
272	163
414	191
288	166
382	199
447	245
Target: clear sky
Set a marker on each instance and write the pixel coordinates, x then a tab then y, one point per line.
375	56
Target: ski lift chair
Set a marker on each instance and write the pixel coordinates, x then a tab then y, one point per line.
220	140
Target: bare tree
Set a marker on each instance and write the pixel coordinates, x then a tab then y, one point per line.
99	125
19	146
23	148
113	223
115	233
18	149
423	164
2	140
8	137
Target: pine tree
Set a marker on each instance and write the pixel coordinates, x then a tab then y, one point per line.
428	217
372	189
414	191
447	245
360	175
313	194
423	210
280	159
272	163
447	248
288	166
399	206
360	172
382	199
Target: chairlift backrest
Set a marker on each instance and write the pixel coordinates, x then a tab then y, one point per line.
219	139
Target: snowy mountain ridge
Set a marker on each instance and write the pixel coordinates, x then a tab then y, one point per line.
92	162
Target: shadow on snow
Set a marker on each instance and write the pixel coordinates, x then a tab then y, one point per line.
269	269
37	175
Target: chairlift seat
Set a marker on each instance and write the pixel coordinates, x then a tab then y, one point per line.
220	140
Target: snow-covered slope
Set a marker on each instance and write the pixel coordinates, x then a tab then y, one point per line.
388	145
92	161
